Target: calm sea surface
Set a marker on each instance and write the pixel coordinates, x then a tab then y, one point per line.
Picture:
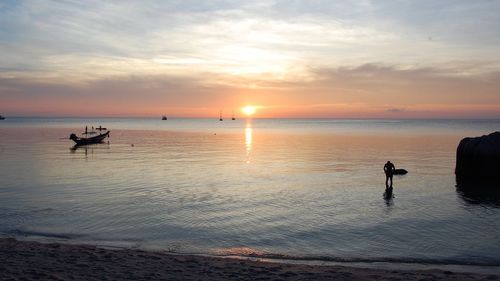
296	188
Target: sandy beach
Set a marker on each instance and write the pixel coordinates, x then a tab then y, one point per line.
26	260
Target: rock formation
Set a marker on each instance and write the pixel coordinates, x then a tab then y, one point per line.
478	159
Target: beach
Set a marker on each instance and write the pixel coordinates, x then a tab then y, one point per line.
26	260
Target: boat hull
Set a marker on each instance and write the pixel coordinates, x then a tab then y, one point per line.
91	140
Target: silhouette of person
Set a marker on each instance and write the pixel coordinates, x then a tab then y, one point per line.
389	172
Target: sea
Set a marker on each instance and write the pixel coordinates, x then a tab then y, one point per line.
296	190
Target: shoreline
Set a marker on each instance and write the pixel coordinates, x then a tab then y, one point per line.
30	260
374	263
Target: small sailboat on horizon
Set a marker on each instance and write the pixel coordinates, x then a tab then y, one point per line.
220	116
233	118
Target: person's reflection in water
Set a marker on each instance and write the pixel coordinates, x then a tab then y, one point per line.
388	196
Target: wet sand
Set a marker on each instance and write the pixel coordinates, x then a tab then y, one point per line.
26	260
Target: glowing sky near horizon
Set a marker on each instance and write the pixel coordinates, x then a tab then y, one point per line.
310	58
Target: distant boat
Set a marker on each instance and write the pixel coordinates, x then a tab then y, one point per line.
164	117
91	140
2	118
220	116
232	118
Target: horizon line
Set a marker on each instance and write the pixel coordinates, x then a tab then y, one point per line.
245	118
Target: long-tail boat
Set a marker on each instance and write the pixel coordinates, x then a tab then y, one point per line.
83	141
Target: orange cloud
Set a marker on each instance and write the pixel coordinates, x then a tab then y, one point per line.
368	91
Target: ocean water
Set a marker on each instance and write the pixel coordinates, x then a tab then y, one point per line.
305	189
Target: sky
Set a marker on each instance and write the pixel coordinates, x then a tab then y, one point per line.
288	58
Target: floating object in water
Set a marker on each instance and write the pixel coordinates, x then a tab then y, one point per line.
400	172
2	117
164	117
91	140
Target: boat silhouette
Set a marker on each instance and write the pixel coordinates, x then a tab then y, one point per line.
89	140
84	141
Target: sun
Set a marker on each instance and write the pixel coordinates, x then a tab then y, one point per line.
248	110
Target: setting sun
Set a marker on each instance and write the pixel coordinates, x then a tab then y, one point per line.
248	110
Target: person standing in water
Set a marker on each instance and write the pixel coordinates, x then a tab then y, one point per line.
389	172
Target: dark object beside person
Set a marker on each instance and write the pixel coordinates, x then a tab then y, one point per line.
400	172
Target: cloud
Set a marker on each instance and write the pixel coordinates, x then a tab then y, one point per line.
367	91
395	110
371	55
241	38
374	83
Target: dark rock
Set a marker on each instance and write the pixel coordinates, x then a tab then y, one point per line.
478	159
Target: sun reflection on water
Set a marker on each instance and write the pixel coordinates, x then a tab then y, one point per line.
248	140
